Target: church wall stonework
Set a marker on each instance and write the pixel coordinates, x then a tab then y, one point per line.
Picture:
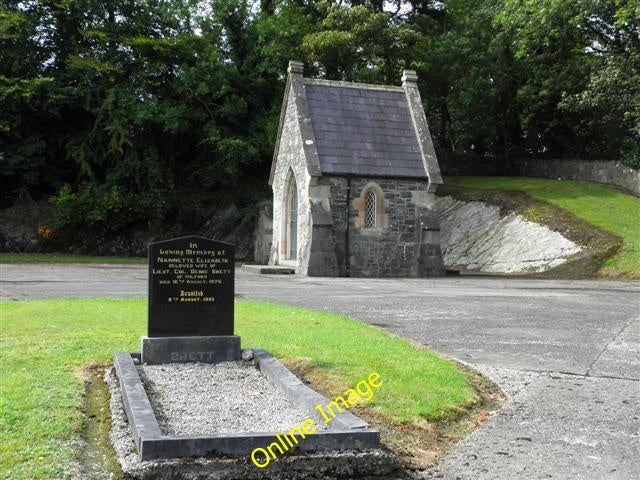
314	220
407	246
291	157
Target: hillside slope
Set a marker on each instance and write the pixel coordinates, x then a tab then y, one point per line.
476	237
596	208
600	220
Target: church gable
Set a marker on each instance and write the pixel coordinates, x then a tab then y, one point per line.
295	120
354	176
359	129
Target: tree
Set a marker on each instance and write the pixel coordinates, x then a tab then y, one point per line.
150	115
582	89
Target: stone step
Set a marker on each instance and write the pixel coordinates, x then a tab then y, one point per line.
269	269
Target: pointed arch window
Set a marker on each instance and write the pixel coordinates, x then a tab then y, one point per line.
292	219
289	238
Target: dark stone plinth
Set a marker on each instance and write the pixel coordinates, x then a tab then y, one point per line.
210	349
191	287
244	443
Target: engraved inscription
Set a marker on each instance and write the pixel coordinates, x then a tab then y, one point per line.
192	356
191	287
190	268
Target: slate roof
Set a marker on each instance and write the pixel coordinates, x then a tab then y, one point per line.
363	130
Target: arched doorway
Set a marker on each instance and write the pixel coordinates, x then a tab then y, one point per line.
291	219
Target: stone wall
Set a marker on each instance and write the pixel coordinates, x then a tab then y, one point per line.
263	233
607	172
392	251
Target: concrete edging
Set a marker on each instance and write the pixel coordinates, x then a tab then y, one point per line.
345	432
298	392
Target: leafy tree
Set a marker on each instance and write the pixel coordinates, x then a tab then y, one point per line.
150	115
581	90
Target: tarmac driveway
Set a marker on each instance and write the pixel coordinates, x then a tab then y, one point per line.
566	353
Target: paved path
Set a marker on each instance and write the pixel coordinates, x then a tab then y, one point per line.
567	353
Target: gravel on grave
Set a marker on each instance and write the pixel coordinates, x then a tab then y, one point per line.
201	398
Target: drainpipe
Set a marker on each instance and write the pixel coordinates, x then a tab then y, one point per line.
347	263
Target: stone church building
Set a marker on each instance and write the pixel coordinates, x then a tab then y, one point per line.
354	176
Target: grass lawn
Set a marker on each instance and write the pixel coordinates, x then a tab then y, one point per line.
55	258
604	207
45	344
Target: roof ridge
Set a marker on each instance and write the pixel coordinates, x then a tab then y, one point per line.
341	84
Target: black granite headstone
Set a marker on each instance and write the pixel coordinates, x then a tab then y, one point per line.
191	287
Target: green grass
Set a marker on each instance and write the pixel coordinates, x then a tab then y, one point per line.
604	207
54	258
44	343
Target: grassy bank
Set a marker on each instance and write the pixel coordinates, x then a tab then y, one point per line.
54	258
605	207
46	344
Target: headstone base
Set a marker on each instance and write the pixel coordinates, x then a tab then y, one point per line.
212	349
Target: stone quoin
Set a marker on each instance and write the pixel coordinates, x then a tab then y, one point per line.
354	177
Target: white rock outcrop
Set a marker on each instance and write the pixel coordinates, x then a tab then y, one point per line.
475	237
